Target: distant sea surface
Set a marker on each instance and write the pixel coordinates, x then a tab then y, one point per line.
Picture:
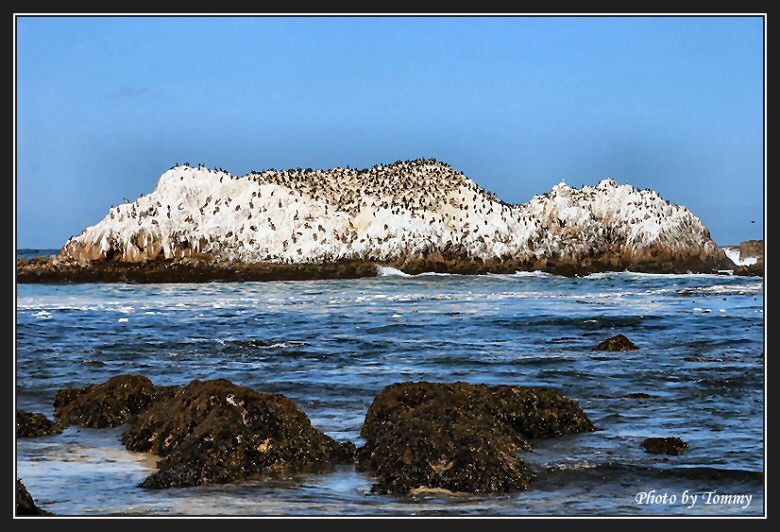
332	346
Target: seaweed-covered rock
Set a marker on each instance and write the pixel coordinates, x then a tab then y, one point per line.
34	425
673	445
114	403
25	504
460	437
632	395
216	432
536	412
617	343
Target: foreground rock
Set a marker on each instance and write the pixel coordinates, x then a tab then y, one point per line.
114	403
415	216
35	425
460	437
215	432
25	504
208	432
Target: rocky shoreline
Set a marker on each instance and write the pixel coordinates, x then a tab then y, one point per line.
451	437
198	269
456	437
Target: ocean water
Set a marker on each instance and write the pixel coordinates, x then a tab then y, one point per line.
332	346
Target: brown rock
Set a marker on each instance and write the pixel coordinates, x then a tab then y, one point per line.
460	437
114	403
25	504
751	270
673	445
33	425
215	432
199	268
751	248
186	270
616	343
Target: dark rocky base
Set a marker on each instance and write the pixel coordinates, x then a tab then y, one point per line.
59	270
56	270
751	270
601	262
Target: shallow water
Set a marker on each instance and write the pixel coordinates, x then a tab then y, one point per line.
332	346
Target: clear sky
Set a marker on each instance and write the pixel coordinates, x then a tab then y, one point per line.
105	105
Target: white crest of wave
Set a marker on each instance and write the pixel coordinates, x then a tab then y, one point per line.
534	273
386	271
734	255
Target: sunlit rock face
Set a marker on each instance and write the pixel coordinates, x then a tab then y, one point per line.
409	215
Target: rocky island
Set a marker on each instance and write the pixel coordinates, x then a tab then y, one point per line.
202	224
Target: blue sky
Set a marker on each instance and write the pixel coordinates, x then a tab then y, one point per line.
105	105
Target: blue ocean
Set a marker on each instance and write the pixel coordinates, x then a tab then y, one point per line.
332	346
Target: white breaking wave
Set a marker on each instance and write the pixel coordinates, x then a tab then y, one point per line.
749	289
735	256
386	271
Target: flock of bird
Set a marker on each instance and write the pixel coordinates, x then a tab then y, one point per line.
382	213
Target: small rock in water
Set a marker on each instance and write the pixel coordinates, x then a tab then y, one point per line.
673	445
617	343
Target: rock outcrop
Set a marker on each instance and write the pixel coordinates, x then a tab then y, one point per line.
619	342
25	504
461	437
111	404
200	269
671	445
416	216
215	432
35	425
208	432
748	258
454	437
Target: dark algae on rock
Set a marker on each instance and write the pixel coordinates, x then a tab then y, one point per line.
208	432
34	425
25	504
215	432
201	269
460	437
672	445
114	403
453	437
617	343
